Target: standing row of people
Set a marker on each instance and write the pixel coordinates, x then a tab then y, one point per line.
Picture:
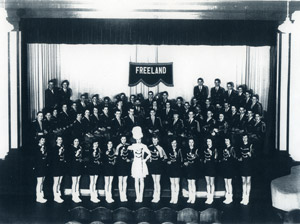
139	160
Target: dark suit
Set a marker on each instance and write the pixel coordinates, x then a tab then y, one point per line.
129	124
95	121
64	120
117	128
240	99
64	96
176	128
154	127
78	130
201	95
217	95
256	108
192	129
87	125
166	117
231	98
51	98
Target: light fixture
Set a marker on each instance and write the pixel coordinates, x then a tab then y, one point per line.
286	26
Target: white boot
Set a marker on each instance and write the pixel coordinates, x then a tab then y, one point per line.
157	197
121	196
40	197
57	198
176	195
210	199
246	202
108	197
193	198
190	197
124	196
226	198
78	194
94	198
154	197
172	197
243	199
229	201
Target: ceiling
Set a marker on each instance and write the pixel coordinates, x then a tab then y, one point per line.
151	9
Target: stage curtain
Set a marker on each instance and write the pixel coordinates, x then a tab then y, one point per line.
104	69
44	64
149	31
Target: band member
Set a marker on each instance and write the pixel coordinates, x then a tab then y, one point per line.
76	169
156	167
153	124
58	168
41	162
210	156
51	95
65	93
227	168
230	95
256	106
217	93
105	122
39	127
139	169
131	121
174	169
201	92
123	167
191	169
109	171
117	126
192	126
94	169
246	167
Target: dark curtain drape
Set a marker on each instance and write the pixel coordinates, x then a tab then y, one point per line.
270	117
157	32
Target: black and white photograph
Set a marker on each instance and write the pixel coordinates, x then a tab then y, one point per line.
149	111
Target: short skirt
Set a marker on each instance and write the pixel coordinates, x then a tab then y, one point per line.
210	169
123	168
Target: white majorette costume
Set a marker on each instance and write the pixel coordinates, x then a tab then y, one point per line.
139	167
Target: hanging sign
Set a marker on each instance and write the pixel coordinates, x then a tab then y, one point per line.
151	74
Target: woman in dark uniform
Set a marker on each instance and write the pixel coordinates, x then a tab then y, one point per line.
65	93
246	167
76	168
191	169
58	168
210	156
123	167
94	169
227	168
109	170
40	168
174	169
155	166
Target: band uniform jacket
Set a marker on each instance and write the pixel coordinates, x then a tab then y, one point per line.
78	130
87	125
37	129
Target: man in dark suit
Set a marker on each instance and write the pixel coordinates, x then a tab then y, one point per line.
217	93
117	126
147	104
51	95
201	92
131	120
153	125
240	99
166	115
192	126
230	95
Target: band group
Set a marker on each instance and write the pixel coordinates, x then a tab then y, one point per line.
217	133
